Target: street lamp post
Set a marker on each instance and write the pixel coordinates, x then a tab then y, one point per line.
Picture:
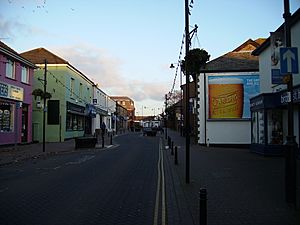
187	116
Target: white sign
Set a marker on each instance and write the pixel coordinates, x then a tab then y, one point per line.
286	98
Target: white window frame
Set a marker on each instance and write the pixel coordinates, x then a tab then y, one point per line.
10	69
25	75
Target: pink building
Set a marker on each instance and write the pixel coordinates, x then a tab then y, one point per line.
16	75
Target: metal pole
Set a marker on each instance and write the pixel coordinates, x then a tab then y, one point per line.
291	145
181	103
166	118
203	207
16	125
45	109
176	156
187	116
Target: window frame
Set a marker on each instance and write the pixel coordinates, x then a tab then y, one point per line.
72	87
26	81
12	70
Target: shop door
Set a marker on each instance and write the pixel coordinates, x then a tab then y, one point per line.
24	132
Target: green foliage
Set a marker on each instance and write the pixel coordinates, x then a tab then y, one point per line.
40	92
196	59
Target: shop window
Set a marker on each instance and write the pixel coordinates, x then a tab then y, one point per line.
6	117
25	75
275	131
10	69
261	127
74	122
69	121
80	122
254	125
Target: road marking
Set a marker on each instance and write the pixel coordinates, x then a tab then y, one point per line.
81	160
160	188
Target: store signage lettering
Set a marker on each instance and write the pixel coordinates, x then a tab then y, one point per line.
285	98
296	95
11	92
257	103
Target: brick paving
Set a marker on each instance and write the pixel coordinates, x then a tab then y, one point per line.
243	188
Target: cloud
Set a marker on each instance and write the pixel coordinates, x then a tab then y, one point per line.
12	29
106	70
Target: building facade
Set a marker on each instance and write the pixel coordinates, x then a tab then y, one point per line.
128	104
16	75
105	110
225	87
69	111
269	111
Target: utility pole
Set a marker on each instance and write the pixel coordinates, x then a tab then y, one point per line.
291	145
187	98
45	108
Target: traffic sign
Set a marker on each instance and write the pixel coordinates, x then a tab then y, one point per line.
289	60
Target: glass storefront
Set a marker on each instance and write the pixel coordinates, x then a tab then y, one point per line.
6	117
269	125
275	127
74	122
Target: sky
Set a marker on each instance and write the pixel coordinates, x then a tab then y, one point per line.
127	46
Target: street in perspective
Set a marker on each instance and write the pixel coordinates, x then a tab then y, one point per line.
155	113
136	181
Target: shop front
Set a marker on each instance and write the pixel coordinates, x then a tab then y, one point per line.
74	120
269	124
14	115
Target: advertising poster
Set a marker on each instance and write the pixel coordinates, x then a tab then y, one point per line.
229	96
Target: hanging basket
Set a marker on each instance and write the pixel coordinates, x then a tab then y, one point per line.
40	92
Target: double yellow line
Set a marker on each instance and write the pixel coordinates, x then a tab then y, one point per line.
160	189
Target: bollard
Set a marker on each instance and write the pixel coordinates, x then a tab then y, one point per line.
110	139
102	141
172	148
203	207
176	156
169	141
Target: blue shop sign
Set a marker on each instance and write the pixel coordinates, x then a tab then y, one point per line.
90	110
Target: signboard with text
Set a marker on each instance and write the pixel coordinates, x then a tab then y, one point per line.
229	96
11	92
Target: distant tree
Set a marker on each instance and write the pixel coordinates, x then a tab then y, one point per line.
174	97
197	59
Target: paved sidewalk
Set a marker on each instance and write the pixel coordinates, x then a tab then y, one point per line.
14	154
243	188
